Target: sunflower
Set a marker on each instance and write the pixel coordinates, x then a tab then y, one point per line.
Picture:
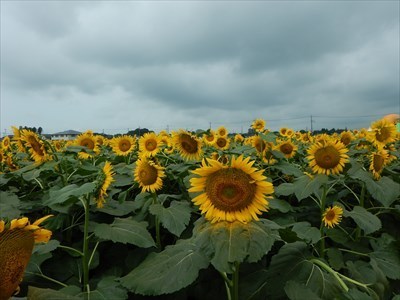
209	137
149	175
382	132
16	245
188	145
1	155
259	144
230	193
149	144
87	140
222	143
327	158
34	145
289	132
123	145
346	137
106	178
378	160
287	148
332	216
258	125
239	138
282	131
5	143
222	131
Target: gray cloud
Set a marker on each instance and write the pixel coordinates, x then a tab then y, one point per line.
115	65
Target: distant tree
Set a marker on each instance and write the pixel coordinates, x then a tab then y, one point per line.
40	130
138	131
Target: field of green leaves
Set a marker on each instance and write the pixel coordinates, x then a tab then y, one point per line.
183	215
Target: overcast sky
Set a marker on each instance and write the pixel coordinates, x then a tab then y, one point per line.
119	65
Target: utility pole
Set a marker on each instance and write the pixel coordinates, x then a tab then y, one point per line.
312	121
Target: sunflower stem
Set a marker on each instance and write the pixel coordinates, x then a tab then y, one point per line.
157	224
321	228
85	257
235	283
362	197
330	270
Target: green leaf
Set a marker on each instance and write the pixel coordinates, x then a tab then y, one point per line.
253	285
288	168
174	218
280	205
46	248
304	186
285	189
125	231
387	256
72	190
108	288
335	258
229	242
48	294
385	190
297	291
168	271
114	208
306	232
9	205
367	221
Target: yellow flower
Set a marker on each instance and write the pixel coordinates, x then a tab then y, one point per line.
328	157
19	223
378	160
107	179
1	226
239	138
332	216
222	143
346	137
188	145
123	145
222	131
287	148
230	192
209	138
259	144
382	132
149	144
149	175
258	125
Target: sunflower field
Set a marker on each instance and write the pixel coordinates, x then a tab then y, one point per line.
205	215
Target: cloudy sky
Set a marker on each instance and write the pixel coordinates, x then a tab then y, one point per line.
119	65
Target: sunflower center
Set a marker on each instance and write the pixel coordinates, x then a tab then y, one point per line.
124	146
327	157
383	134
88	143
221	142
330	215
210	137
378	162
36	147
286	148
230	189
151	145
188	143
346	139
148	175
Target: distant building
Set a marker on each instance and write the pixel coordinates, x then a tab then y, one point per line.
65	135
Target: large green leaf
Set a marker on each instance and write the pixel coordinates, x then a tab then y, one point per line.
297	291
387	256
367	221
124	231
280	205
35	293
72	190
108	288
9	205
304	186
168	271
174	218
115	208
306	232
229	242
288	168
285	189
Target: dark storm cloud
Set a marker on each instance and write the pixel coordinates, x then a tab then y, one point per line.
203	61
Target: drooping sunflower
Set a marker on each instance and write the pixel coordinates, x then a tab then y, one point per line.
378	160
16	245
328	157
259	144
231	192
149	175
382	132
222	131
149	144
258	125
222	143
346	137
332	216
123	145
287	148
188	145
239	138
106	178
35	146
5	143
